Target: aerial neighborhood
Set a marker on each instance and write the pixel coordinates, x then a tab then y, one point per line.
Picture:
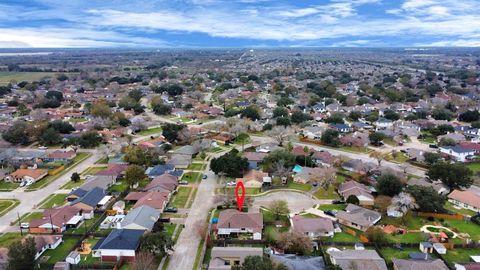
358	159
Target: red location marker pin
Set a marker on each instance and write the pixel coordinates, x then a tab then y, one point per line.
240	198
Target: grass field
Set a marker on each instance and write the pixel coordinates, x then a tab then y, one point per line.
150	131
343	237
53	201
449	206
7	205
93	170
6	77
475	167
460	255
394	253
62	251
8	186
118	187
330	193
71	184
196	166
8	238
180	199
191	177
299	186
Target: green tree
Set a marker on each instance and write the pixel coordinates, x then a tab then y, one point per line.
135	155
157	243
50	137
376	235
17	133
336	118
75	177
230	164
284	101
299	117
279	208
90	139
283	121
258	263
330	138
278	155
430	158
280	112
469	116
376	138
250	112
353	200
389	185
162	109
134	175
61	126
427	199
355	115
455	176
170	131
21	255
100	109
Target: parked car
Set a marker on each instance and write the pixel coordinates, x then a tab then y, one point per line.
23	183
331	213
165	220
433	146
204	177
25	225
338	202
28	182
183	182
170	210
42	147
230	184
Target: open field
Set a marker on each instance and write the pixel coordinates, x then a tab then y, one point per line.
6	77
7	205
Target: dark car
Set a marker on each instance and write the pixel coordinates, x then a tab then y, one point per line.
331	213
165	220
170	210
432	146
204	177
338	202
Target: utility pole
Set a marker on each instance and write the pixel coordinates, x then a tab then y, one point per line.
51	222
20	223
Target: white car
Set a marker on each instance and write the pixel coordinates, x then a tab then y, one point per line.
23	183
231	184
42	147
28	182
25	225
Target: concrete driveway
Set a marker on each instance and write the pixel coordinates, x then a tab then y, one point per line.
297	202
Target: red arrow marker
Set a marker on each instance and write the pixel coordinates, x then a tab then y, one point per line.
240	198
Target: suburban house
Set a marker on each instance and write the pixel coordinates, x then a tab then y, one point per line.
57	220
383	123
457	152
155	199
140	218
362	192
468	199
92	200
234	222
26	175
61	156
342	128
254	159
223	258
358	217
313	227
306	174
163	183
44	242
440	188
97	181
113	170
180	161
357	259
158	170
324	158
254	179
403	264
120	244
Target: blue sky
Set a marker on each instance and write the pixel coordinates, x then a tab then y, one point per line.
239	23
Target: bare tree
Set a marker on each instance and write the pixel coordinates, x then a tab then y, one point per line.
185	136
379	156
144	261
138	123
295	242
279	169
280	134
325	176
403	202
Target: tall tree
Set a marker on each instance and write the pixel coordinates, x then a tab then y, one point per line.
156	243
21	255
279	208
134	174
389	184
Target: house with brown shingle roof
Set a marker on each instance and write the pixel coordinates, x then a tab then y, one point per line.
26	175
165	182
154	199
362	192
468	199
253	179
313	227
233	222
254	159
324	158
61	156
56	220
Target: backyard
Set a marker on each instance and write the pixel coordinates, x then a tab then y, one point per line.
150	131
179	200
62	251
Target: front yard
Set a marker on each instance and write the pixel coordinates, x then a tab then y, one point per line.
53	201
7	205
179	200
299	186
329	193
196	166
191	177
8	186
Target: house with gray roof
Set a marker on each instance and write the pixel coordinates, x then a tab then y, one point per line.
224	257
141	218
120	244
403	264
358	217
357	259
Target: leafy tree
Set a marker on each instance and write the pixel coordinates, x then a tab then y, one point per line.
171	89
294	242
427	199
100	109
50	137
353	200
135	155
283	121
389	185
90	139
280	155
61	126
57	95
441	130
170	131
447	142
156	243
279	208
469	116
330	138
455	176
280	112
391	115
376	235
250	112
242	138
231	164
441	114
430	158
162	109
284	101
258	263
17	133
376	137
299	117
21	255
136	94
75	177
336	118
4	90
232	112
355	115
62	77
134	174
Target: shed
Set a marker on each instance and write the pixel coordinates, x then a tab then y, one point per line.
73	257
426	247
440	248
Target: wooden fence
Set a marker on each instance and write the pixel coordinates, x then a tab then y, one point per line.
441	216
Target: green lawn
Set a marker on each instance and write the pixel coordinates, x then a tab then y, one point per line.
7	205
407	238
330	193
272	232
410	221
62	251
449	206
150	131
71	184
343	237
269	217
6	77
89	259
196	166
8	186
355	149
341	178
299	186
118	187
464	227
81	156
78	120
8	238
399	157
90	222
475	167
169	229
191	177
179	200
390	141
53	201
460	255
428	138
93	170
27	217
